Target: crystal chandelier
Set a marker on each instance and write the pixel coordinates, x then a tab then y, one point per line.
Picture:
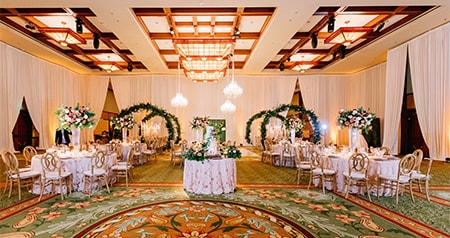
228	107
232	90
179	100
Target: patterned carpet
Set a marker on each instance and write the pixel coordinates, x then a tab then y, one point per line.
171	212
267	203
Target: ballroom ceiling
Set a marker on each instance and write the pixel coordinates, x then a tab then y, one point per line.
269	36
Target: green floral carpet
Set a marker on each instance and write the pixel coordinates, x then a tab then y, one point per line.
296	213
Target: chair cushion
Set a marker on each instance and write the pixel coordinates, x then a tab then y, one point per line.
120	167
355	175
27	174
96	172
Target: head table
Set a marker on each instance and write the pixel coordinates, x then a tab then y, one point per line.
74	162
212	176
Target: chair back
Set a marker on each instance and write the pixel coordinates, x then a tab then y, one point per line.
119	151
358	163
288	149
137	147
112	146
28	152
11	162
50	164
419	156
315	160
299	156
98	161
406	165
130	157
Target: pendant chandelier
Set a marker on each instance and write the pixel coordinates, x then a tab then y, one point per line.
179	100
232	90
228	107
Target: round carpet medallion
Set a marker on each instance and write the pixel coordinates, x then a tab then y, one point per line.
195	219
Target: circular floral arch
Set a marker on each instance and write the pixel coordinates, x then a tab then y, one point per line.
267	114
156	111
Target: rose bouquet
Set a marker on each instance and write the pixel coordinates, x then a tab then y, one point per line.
78	116
356	118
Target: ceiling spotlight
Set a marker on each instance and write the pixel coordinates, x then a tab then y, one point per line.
237	33
79	25
30	26
314	40
331	24
282	67
130	66
171	30
288	59
342	51
380	27
96	40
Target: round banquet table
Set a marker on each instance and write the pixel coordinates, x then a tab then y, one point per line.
213	176
386	166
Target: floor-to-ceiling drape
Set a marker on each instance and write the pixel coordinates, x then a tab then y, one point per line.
327	94
430	76
395	81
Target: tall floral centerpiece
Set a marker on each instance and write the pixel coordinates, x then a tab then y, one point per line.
294	124
355	119
75	119
124	124
198	124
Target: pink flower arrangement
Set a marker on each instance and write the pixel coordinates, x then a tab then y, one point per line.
79	117
356	118
123	122
199	122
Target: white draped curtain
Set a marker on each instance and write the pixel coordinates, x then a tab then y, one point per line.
430	76
395	81
327	94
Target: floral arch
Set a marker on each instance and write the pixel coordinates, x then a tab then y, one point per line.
172	123
267	114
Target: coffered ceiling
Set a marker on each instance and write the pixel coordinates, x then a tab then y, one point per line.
269	36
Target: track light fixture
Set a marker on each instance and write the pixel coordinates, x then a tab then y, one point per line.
331	24
130	66
79	25
236	33
30	26
314	40
96	40
342	51
282	67
380	27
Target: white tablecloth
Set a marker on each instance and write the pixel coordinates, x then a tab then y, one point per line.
210	176
126	148
387	165
77	164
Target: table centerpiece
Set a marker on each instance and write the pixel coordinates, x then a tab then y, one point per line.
75	119
355	119
124	124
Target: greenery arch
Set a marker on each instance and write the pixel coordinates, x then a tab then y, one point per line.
275	113
156	111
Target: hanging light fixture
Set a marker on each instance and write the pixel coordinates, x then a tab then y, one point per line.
347	35
232	90
302	66
204	59
179	100
63	35
108	66
228	107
